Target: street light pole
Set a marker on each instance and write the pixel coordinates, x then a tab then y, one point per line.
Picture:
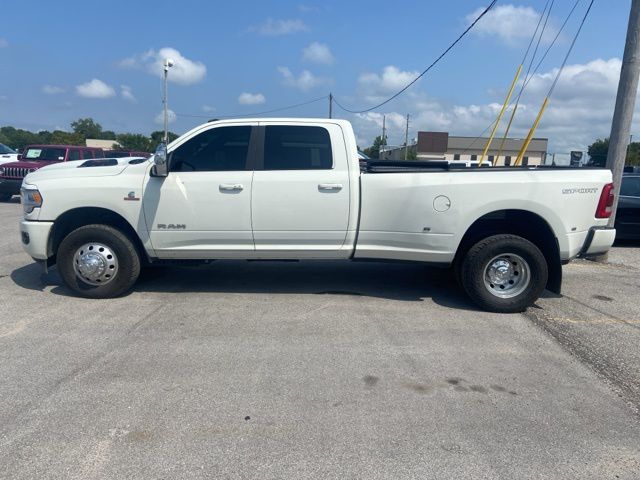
168	63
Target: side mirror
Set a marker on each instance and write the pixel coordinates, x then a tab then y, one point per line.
19	156
160	161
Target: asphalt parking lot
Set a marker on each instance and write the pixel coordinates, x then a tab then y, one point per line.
316	370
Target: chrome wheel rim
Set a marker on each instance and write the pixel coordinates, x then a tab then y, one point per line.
95	264
507	275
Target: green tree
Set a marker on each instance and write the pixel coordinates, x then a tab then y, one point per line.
58	137
374	150
598	153
87	128
108	135
158	136
17	138
135	141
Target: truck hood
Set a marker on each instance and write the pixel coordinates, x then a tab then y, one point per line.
98	167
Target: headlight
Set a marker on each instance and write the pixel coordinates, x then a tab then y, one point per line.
31	198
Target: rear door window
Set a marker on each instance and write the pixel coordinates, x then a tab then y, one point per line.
74	155
293	147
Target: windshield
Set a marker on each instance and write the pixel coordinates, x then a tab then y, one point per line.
48	154
4	150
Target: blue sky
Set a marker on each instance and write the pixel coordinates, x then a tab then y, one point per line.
65	60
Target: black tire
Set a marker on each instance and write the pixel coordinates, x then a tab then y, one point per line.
476	262
5	197
125	252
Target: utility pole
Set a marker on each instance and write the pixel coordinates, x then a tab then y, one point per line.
406	137
383	141
330	105
625	103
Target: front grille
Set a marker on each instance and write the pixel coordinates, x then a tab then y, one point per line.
16	172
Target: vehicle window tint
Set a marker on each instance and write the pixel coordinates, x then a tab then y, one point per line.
87	153
297	148
74	155
217	149
630	187
98	153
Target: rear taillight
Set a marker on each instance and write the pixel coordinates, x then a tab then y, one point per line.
605	204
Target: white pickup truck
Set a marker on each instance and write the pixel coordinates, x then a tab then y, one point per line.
295	189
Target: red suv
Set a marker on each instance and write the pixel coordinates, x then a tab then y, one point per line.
125	153
34	157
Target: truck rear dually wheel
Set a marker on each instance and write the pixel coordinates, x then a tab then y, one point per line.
98	261
504	273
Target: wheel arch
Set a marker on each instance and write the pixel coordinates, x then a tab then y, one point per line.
79	217
524	223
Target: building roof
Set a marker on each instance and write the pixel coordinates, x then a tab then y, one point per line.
510	144
106	144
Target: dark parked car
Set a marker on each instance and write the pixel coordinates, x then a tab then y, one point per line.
38	156
628	215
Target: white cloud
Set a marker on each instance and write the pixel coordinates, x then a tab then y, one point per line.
52	89
510	23
127	93
4	43
580	110
183	72
305	81
276	27
208	109
392	79
171	117
318	53
246	98
95	89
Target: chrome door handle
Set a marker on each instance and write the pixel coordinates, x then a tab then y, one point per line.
231	187
330	186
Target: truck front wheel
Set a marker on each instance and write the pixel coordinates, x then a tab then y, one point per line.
98	261
504	273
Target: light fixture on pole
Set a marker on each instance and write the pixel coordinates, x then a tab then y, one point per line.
168	63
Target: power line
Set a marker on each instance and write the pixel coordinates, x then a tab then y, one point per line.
573	42
526	76
402	90
551	89
288	107
527	80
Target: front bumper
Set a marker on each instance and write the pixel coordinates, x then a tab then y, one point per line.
10	185
35	238
598	241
